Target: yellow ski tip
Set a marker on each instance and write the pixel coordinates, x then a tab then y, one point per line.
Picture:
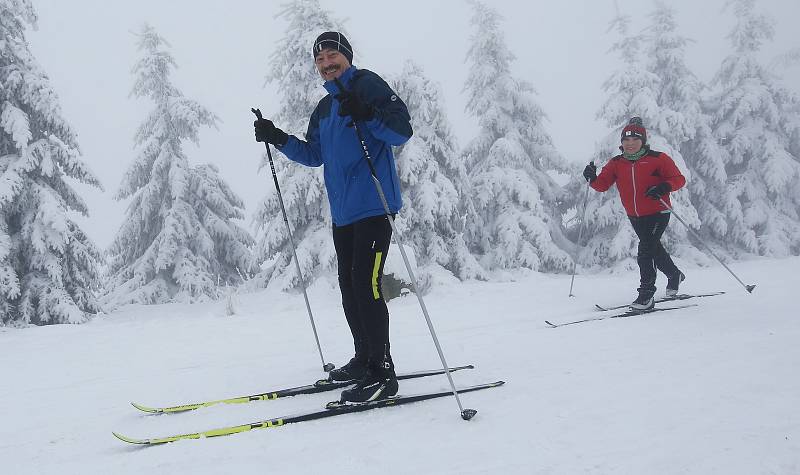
150	410
130	440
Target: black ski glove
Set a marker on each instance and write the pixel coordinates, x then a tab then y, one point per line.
657	191
590	172
267	132
350	104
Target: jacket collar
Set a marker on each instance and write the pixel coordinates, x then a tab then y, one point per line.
345	78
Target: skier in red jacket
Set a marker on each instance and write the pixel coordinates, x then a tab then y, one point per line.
643	176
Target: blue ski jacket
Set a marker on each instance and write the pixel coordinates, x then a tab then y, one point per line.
331	142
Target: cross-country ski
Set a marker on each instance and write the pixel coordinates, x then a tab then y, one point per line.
330	411
319	386
625	314
661	300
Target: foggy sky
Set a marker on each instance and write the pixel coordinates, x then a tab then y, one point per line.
223	50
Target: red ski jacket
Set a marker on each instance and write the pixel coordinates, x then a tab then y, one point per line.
633	179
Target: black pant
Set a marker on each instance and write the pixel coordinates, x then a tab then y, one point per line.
652	254
361	250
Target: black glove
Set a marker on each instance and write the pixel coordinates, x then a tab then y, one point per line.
590	172
657	191
267	132
350	104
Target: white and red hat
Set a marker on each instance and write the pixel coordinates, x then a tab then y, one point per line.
635	129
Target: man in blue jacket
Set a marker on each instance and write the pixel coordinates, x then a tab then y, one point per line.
361	229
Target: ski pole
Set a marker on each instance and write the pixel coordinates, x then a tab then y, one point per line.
466	414
327	367
749	288
580	235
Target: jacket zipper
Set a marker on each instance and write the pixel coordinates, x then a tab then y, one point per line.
633	183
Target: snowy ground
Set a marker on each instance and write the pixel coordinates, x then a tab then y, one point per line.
713	389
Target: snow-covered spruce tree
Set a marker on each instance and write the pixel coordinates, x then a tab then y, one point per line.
178	240
48	267
754	121
608	240
686	129
643	87
678	126
516	222
434	182
293	71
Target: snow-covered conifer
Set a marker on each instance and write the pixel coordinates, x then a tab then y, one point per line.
48	267
754	120
516	222
686	129
653	83
608	238
292	69
178	240
678	126
434	180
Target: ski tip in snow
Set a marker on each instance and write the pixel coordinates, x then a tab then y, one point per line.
130	440
150	410
169	410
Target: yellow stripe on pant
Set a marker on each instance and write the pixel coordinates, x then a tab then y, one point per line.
375	268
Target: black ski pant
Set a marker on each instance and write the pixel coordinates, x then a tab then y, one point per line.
652	255
361	250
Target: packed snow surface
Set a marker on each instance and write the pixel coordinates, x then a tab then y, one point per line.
712	389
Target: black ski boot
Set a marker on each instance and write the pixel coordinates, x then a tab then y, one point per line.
380	382
352	371
673	283
644	301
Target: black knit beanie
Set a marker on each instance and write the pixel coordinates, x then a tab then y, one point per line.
333	40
